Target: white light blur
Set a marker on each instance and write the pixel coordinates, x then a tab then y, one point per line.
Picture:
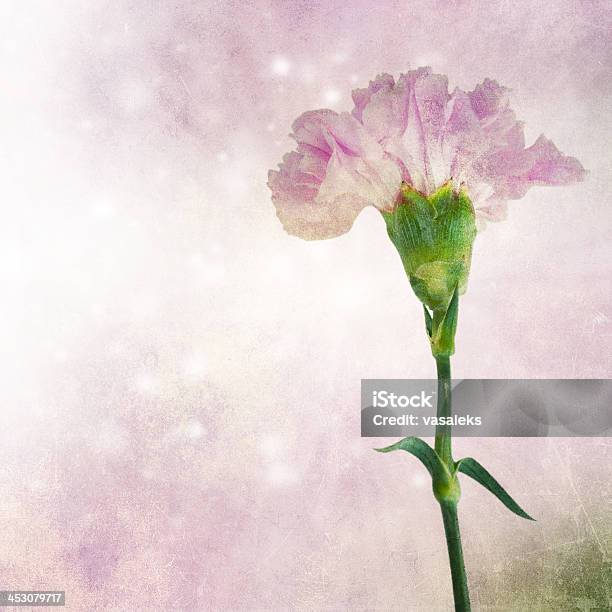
281	475
281	66
332	96
272	446
194	367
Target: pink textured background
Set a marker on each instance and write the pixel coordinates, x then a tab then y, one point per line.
180	395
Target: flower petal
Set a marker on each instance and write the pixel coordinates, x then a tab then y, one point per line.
362	97
488	99
358	167
384	115
472	138
410	130
485	145
550	167
337	170
512	172
308	129
427	105
408	119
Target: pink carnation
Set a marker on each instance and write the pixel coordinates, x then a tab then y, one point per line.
414	131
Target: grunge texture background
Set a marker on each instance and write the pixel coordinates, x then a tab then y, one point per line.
180	395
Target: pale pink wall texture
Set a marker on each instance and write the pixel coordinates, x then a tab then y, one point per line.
180	399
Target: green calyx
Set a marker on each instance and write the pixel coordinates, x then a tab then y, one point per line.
434	236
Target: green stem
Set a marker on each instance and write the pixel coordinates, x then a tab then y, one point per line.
455	556
443	432
449	505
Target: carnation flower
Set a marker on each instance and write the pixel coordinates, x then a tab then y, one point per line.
432	163
410	132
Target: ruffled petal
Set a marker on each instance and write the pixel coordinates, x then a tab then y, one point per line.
427	108
488	99
357	167
337	170
293	194
384	115
408	119
472	138
492	209
498	155
551	167
362	97
309	130
511	171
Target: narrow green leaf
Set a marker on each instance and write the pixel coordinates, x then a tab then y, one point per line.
444	327
422	451
428	321
470	467
449	325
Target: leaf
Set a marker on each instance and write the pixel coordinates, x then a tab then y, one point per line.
443	339
449	327
422	451
470	467
428	320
